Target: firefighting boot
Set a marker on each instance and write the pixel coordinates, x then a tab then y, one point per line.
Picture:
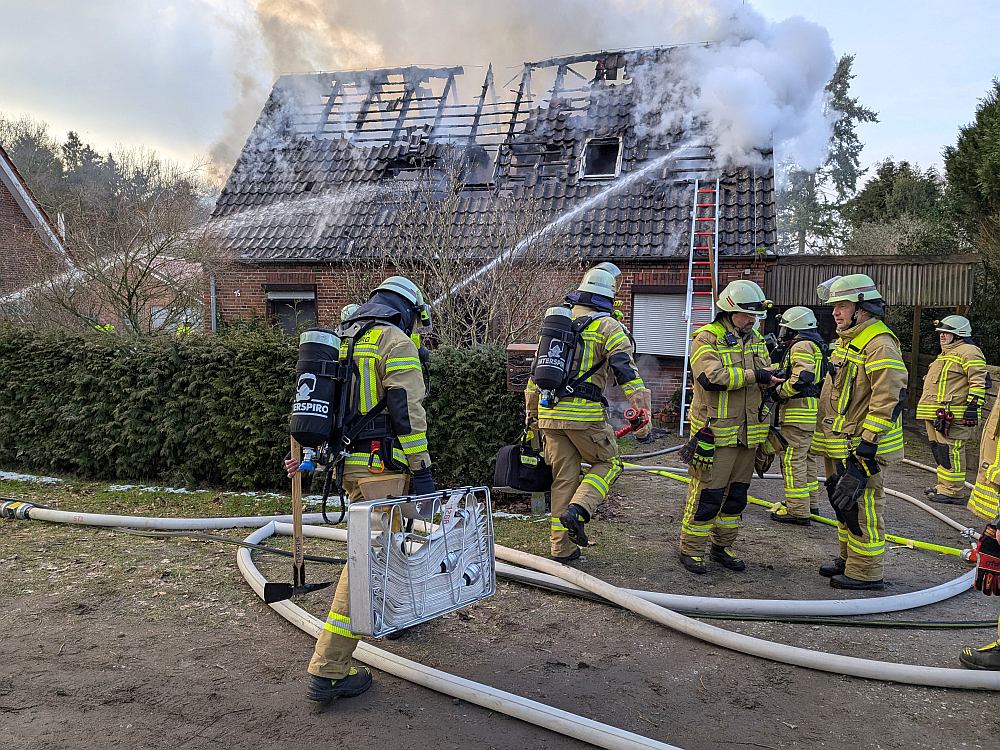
574	518
833	568
694	564
937	497
574	555
781	515
725	557
324	690
987	657
853	584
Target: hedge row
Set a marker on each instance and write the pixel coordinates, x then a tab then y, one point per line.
210	410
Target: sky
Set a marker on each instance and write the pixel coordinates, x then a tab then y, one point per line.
186	76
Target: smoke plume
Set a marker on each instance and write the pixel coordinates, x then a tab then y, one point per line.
758	83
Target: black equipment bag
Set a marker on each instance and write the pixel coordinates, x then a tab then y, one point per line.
521	467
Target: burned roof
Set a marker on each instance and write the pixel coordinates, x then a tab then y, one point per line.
321	174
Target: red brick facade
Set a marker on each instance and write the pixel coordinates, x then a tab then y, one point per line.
240	291
25	257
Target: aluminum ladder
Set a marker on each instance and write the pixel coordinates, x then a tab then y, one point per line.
703	274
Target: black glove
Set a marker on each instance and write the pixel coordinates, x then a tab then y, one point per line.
970	417
699	451
422	482
845	496
988	560
763	376
866	450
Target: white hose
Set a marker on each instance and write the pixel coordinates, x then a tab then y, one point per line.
164	524
692	604
819	660
539	714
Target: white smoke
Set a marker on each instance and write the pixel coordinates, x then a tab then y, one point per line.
758	85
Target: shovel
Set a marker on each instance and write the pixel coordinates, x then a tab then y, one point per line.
279	592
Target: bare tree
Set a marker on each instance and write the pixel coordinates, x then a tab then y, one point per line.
443	233
137	257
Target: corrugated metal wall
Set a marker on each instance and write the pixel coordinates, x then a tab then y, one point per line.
938	281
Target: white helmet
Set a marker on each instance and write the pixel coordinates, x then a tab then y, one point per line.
798	319
347	311
611	268
855	287
410	292
598	281
958	325
744	296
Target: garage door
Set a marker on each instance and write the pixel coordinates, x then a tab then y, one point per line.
658	324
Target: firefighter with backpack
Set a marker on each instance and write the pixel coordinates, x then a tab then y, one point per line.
581	347
803	361
951	405
730	367
385	436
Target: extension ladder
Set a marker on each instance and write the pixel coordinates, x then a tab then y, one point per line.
703	274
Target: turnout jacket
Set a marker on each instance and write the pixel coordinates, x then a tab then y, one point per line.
803	363
955	378
388	367
985	501
863	398
726	394
606	341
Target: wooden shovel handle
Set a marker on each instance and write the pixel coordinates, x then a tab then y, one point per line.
298	561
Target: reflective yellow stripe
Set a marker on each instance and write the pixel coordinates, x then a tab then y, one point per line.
340	625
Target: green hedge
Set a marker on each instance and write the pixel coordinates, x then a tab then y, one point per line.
209	410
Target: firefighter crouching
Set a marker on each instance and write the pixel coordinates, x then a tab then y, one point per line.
859	430
951	405
586	346
389	451
730	365
804	360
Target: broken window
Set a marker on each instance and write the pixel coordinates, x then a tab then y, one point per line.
602	157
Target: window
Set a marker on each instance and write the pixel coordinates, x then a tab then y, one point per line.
658	324
602	157
292	309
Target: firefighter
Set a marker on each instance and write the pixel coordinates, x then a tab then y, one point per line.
729	365
952	404
575	428
987	581
985	500
804	360
390	452
860	429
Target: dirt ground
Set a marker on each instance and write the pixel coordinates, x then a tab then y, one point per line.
117	641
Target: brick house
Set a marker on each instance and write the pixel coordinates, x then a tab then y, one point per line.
298	210
30	246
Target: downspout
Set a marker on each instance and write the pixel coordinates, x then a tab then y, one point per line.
211	300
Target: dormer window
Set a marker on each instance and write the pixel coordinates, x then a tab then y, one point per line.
602	157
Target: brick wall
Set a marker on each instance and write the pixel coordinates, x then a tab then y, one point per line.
25	256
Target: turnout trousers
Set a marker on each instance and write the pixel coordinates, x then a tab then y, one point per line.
798	468
565	449
864	554
949	455
716	502
336	643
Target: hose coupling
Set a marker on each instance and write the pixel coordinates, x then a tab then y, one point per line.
17	509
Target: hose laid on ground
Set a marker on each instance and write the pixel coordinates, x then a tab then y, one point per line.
931	469
692	604
822	661
539	714
895	539
651	454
